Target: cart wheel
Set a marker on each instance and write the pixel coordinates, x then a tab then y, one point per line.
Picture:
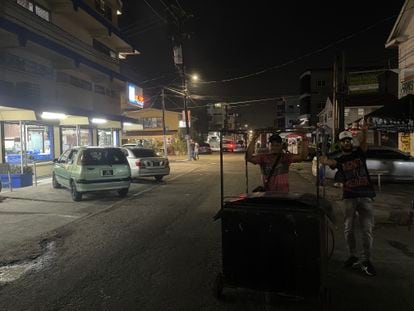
218	286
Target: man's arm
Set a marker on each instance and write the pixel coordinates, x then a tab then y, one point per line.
324	160
250	157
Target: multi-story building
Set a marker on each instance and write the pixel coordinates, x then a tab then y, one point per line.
315	87
60	83
287	112
402	38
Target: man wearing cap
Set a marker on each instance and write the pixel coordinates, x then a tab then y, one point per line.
277	158
357	197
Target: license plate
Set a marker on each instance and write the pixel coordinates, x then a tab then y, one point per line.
107	172
156	163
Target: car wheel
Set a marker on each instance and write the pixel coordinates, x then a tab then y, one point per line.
158	178
123	192
55	183
76	195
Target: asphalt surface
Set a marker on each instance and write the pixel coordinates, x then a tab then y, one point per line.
159	248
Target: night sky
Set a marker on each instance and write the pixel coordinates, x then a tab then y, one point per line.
231	39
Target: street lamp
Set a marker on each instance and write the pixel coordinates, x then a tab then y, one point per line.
194	77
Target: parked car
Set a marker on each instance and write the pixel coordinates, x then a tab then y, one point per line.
87	169
204	148
233	146
394	164
145	162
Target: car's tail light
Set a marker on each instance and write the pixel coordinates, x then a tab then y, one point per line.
138	163
167	163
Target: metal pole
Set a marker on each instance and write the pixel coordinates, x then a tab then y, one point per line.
77	134
187	127
221	171
35	173
245	163
21	146
163	122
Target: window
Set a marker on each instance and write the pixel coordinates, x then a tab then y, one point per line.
104	49
103	8
320	83
152	122
70	139
105	156
37	143
28	5
42	13
346	112
360	111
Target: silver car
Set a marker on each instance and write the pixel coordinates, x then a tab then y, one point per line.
87	169
144	162
392	164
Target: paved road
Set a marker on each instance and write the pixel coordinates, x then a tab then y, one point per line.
160	250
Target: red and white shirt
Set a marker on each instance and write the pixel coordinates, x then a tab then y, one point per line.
279	181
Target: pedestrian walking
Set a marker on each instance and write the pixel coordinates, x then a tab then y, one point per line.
195	154
358	195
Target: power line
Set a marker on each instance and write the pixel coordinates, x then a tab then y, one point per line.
300	57
155	12
169	11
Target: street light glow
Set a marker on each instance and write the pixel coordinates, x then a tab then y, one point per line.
194	77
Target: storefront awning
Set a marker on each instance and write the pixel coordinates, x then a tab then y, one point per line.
15	114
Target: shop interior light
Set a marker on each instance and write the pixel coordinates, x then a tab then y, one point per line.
127	123
99	121
53	116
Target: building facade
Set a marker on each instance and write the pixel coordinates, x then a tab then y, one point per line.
287	112
151	120
315	86
402	38
60	83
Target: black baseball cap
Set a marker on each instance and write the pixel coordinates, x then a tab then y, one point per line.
275	138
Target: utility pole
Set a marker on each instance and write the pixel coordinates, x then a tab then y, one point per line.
187	127
163	122
334	100
343	91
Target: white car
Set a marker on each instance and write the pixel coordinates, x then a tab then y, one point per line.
144	162
393	164
88	169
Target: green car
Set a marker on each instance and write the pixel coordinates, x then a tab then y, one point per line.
88	169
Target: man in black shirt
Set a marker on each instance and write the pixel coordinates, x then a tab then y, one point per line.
357	197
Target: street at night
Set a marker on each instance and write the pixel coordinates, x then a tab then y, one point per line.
159	249
206	155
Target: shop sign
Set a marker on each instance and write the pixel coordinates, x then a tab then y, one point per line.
362	82
135	96
404	142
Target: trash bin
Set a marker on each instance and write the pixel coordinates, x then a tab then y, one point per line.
275	242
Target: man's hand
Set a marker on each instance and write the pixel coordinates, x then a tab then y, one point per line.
324	160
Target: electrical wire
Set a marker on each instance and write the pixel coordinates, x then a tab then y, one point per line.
155	12
169	11
317	51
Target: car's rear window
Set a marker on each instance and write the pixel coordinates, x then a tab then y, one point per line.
143	153
103	156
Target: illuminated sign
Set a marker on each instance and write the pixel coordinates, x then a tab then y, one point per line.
135	96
